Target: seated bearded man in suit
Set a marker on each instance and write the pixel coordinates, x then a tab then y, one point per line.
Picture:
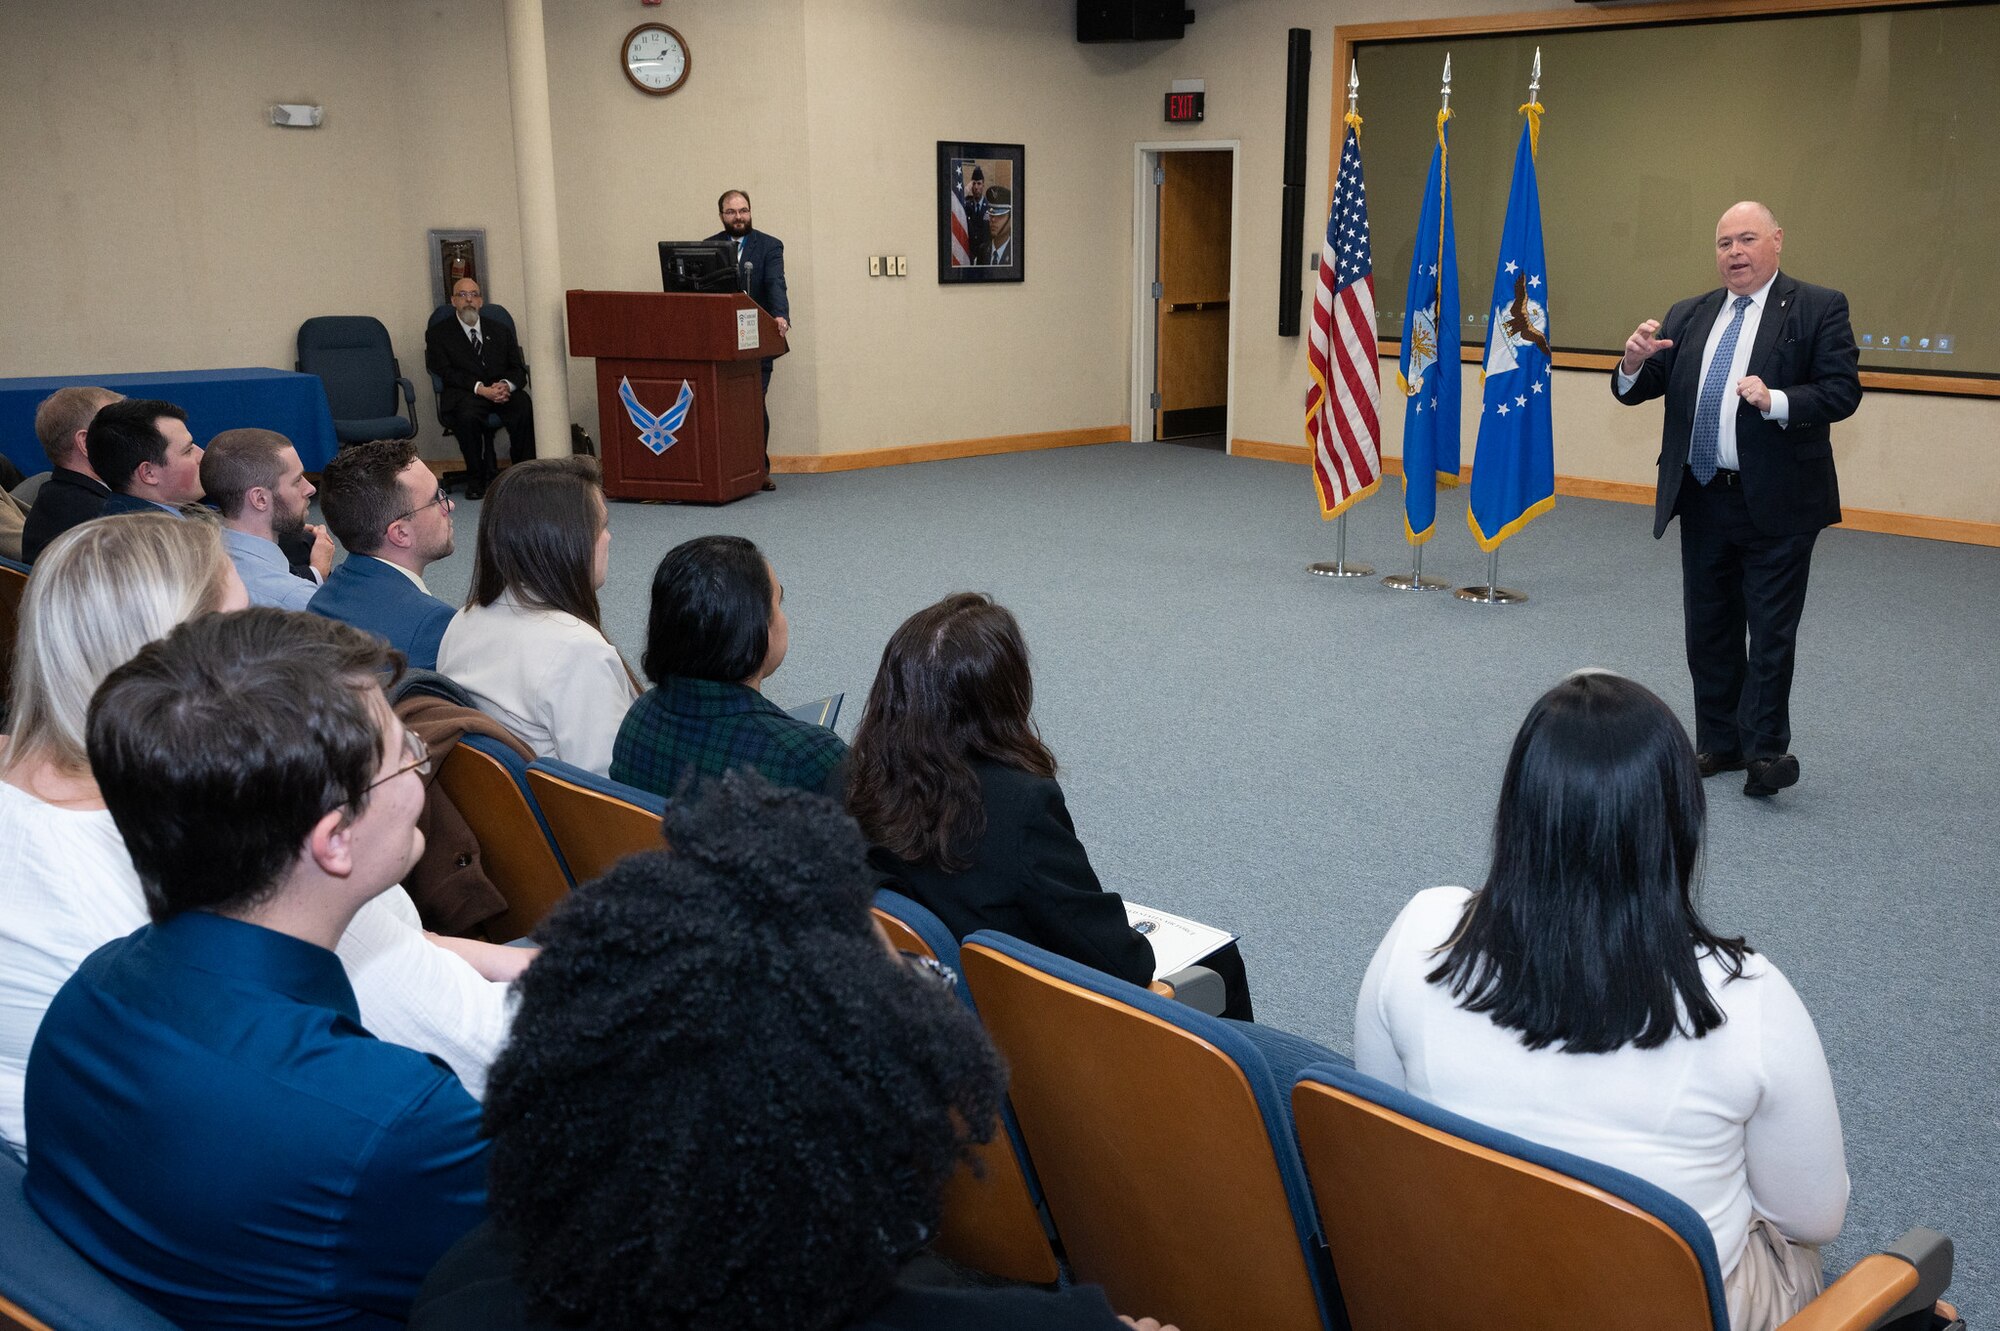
484	375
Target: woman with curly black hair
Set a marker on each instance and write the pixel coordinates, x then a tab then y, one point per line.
728	1104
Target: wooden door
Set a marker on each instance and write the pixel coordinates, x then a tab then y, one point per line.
1192	310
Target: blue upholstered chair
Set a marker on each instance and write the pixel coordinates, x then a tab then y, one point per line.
1161	1139
1432	1219
993	1216
498	314
352	356
822	713
595	821
488	784
46	1285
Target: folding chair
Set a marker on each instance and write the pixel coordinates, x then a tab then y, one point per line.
992	1213
488	782
1435	1220
1160	1139
596	821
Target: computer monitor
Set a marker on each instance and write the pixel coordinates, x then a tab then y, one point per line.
699	265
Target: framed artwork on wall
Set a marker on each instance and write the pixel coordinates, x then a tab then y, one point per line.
455	253
981	196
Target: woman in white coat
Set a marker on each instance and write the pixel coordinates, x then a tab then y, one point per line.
1578	1000
529	646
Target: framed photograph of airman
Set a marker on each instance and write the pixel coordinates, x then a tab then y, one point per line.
980	209
455	253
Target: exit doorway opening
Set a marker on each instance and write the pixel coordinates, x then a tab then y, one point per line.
1184	275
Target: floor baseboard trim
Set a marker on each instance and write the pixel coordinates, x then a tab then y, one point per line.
1882	521
791	463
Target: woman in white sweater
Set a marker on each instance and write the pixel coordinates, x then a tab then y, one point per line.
1578	1000
99	593
529	645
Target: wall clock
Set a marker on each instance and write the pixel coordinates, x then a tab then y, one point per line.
655	58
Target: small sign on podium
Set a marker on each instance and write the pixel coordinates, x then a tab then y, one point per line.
746	330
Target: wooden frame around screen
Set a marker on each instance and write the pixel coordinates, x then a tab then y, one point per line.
1346	38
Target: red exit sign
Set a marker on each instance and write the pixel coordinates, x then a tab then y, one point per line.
1185	108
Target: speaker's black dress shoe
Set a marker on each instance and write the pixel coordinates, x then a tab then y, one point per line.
1708	764
768	484
1768	776
475	489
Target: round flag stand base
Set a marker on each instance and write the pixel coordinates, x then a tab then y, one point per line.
1490	595
1340	568
1414	580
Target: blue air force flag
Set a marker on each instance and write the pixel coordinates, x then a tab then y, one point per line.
1514	465
1429	373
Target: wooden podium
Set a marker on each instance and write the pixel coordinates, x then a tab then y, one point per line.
692	425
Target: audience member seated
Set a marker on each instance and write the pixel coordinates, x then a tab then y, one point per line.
950	781
255	478
72	493
141	449
1578	1000
212	1124
529	645
388	509
681	1139
67	884
13	522
716	632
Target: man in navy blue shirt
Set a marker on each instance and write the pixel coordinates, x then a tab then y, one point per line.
212	1124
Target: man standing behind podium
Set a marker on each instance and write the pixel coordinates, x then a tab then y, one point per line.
484	374
760	258
1753	374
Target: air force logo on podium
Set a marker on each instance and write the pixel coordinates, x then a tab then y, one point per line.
657	433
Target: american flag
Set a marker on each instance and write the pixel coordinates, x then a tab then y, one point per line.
961	237
1341	420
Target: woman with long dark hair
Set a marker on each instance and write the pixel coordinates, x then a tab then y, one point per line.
529	646
1579	1000
950	781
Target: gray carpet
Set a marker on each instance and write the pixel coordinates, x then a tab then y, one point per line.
1292	757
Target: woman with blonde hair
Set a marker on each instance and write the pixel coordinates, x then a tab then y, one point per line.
529	646
99	593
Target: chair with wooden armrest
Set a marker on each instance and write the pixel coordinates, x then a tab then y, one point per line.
488	782
596	821
993	1219
1433	1219
1161	1141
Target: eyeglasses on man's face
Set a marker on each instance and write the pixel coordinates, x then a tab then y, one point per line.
418	753
440	500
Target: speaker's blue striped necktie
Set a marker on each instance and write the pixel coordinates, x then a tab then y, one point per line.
1702	453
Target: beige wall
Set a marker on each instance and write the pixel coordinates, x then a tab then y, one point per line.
156	222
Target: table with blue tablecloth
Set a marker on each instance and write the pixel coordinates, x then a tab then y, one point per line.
215	400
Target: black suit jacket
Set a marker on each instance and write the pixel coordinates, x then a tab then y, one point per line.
448	355
1029	877
1804	346
67	499
763	268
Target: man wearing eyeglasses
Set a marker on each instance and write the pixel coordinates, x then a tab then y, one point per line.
395	520
213	1124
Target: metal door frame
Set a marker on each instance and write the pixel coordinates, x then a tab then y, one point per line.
1145	270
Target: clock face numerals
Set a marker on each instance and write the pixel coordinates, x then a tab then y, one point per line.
656	58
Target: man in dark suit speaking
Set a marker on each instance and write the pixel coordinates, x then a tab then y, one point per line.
1753	374
761	260
484	374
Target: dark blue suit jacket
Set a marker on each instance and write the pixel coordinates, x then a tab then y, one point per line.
119	502
763	266
368	594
